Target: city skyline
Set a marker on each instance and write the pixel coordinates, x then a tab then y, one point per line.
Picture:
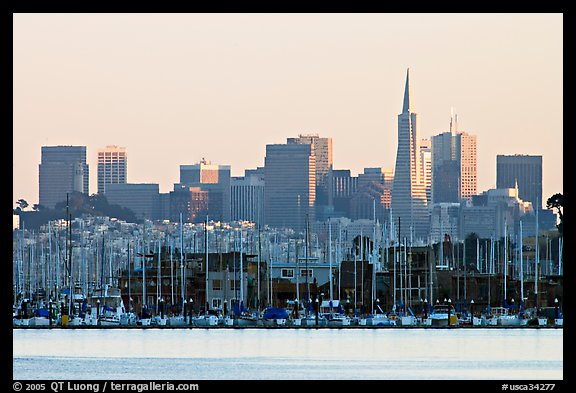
172	94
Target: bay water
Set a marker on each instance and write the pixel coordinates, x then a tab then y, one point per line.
288	354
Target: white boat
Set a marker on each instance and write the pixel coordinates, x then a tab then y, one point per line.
176	320
274	316
310	320
108	304
440	313
39	321
205	320
144	321
504	318
226	321
407	320
245	320
558	321
379	320
90	320
20	321
337	320
128	319
157	320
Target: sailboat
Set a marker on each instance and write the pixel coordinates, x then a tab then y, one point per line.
209	318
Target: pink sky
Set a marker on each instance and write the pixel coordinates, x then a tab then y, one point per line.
173	88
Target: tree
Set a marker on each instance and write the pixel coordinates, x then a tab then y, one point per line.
22	204
556	201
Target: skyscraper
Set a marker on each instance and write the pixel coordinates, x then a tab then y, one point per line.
454	165
247	198
289	185
211	184
409	187
322	149
426	161
63	169
525	169
112	167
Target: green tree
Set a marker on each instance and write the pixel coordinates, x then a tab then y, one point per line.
556	201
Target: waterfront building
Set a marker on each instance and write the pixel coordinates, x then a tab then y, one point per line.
290	185
142	199
409	203
63	169
526	170
112	167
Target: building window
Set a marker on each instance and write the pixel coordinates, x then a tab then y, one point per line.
216	303
287	273
303	272
234	285
216	285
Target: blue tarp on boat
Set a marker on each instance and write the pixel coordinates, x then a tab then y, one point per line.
238	309
275	313
42	312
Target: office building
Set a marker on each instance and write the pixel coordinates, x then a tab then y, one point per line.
524	169
247	198
112	167
454	165
212	179
409	203
63	169
142	199
290	185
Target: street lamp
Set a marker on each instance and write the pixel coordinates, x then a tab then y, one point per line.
184	309
449	310
512	301
191	301
425	308
316	301
556	308
98	311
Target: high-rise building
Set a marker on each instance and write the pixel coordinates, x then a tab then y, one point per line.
142	199
323	152
112	167
290	185
524	169
426	161
213	179
63	169
247	198
454	165
344	186
409	203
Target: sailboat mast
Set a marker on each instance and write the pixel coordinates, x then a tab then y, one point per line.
330	258
259	260
182	299
537	248
307	252
206	264
241	267
521	268
505	260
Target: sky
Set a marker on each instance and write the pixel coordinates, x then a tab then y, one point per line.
176	88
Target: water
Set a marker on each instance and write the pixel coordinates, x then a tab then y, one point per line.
281	354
